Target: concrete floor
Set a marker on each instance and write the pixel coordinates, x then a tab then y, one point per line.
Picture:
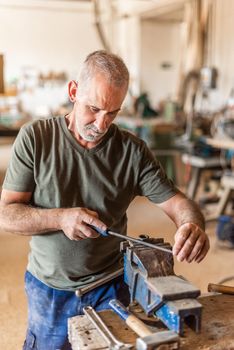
144	217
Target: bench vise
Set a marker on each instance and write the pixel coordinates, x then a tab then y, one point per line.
149	273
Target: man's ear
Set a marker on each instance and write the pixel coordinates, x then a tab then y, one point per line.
72	90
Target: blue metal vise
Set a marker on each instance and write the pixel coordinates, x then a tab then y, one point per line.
149	273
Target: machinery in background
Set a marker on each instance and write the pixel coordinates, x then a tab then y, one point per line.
196	104
225	231
143	108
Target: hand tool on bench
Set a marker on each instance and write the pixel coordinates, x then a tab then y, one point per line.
148	340
107	232
220	288
112	341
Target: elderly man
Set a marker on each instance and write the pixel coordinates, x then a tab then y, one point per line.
68	172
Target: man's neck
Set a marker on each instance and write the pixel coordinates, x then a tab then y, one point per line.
70	121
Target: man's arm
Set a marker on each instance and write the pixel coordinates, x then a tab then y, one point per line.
191	241
17	216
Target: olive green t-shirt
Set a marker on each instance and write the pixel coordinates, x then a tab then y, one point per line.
47	161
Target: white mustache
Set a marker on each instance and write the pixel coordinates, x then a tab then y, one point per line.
93	128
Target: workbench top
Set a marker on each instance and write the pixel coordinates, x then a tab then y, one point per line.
217	331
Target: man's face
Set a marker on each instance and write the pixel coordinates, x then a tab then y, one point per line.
96	106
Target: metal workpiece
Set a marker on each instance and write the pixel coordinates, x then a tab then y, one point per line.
112	342
83	290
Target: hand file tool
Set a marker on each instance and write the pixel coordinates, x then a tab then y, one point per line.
107	233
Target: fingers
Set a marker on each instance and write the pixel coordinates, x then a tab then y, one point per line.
204	251
196	249
87	232
191	243
74	223
91	218
181	237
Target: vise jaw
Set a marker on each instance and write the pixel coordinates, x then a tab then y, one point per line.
149	273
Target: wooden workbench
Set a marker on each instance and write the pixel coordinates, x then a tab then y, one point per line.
217	328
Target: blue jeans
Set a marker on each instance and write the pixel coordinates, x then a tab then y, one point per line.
49	310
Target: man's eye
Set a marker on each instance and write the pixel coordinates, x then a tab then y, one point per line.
112	114
94	109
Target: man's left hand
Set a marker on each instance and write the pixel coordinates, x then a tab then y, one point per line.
191	243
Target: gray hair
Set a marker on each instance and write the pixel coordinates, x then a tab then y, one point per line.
104	62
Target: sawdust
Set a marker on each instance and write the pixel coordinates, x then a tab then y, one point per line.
226	345
216	330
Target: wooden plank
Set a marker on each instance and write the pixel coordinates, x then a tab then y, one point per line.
83	335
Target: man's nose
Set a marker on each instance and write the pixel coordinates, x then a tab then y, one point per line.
101	122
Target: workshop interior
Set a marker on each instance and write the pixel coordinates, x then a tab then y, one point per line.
180	101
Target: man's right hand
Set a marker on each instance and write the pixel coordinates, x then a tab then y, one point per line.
73	222
17	216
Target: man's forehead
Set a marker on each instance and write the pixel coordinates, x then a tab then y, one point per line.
110	106
102	94
105	95
105	81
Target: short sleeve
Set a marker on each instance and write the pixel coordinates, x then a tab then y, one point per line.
20	172
153	182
